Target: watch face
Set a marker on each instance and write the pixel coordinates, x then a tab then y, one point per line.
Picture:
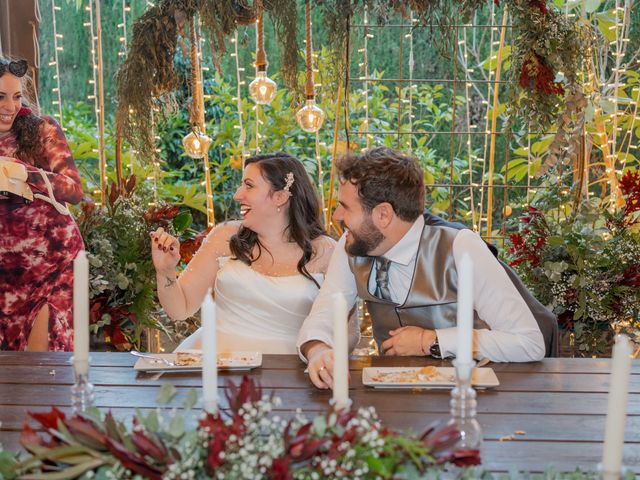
435	350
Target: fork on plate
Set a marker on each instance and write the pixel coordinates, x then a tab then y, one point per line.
155	358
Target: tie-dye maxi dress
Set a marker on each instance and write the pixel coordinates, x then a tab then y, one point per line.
38	245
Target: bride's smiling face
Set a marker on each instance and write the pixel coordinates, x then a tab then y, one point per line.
255	195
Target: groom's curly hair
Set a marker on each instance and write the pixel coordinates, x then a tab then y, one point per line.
305	215
386	175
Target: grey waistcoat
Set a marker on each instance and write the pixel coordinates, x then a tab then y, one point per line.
432	299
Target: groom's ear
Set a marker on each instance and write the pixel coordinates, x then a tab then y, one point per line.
382	215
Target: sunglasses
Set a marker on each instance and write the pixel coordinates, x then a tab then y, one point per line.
17	68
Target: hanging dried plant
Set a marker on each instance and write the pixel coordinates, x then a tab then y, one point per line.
541	33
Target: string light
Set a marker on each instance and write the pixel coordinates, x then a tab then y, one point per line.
492	42
468	71
262	89
309	117
94	64
57	47
409	100
238	98
365	65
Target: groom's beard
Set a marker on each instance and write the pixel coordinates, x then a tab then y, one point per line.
364	240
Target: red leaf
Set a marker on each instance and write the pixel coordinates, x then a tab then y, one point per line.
48	420
82	428
465	457
133	462
148	444
29	436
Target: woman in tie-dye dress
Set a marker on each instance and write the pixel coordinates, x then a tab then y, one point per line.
38	241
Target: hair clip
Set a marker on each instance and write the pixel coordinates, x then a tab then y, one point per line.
288	182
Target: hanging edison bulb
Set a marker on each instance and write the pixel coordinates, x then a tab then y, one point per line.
310	117
196	144
262	89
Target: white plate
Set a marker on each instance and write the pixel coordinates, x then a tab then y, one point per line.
226	361
411	377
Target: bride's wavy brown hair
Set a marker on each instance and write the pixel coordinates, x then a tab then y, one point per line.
26	127
305	215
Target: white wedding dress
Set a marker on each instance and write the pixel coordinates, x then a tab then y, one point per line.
256	312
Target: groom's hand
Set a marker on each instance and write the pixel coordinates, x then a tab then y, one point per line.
409	341
320	367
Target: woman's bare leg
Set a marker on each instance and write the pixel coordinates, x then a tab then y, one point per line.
39	337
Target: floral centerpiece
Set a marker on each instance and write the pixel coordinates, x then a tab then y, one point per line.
122	277
584	263
248	443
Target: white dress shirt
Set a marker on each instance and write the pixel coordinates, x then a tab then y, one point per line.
514	335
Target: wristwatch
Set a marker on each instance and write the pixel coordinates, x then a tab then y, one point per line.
434	350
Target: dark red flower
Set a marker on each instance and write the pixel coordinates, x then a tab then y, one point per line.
237	396
188	248
24	111
630	188
539	76
280	469
631	276
161	215
541	4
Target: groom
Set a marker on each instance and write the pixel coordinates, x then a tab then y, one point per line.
403	264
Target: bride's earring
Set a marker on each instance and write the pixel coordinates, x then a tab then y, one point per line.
278	209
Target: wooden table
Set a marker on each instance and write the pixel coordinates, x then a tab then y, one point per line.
559	403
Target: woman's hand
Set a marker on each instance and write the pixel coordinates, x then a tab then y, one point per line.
165	252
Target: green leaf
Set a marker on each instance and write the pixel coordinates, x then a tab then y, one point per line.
66	474
492	62
182	221
319	425
191	400
592	5
151	421
555	241
176	426
166	394
8	462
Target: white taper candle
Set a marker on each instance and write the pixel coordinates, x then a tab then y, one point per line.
465	310
616	408
340	352
209	355
81	313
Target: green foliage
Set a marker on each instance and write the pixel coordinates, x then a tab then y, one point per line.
584	263
122	277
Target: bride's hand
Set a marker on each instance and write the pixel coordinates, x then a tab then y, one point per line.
165	251
321	365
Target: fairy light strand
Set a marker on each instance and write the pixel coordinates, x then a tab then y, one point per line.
126	9
238	98
93	81
57	47
409	100
470	156
483	160
365	66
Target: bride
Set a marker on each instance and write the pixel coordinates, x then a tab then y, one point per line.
266	269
